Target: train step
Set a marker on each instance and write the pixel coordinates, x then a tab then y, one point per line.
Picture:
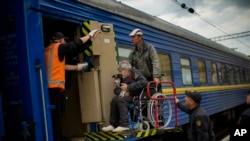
126	135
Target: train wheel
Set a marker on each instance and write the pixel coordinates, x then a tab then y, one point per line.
164	111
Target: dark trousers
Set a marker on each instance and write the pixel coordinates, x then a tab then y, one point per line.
119	110
58	99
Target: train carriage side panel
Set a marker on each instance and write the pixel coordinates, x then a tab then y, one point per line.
22	83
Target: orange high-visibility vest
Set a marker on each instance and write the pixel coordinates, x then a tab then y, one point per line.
54	67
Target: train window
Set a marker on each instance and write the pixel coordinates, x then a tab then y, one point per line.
202	72
231	72
186	71
165	67
248	75
223	74
123	53
214	73
237	70
244	76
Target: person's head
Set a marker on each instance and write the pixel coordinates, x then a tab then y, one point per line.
136	36
58	37
248	97
124	68
192	99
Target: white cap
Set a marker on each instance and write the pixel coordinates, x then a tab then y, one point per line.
136	31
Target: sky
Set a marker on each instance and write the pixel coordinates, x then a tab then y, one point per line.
212	18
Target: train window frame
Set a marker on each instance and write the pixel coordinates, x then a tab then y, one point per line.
244	75
122	52
202	72
223	73
214	73
231	74
165	67
237	73
186	71
248	75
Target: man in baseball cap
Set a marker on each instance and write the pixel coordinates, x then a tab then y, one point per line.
194	95
150	68
58	35
200	126
136	31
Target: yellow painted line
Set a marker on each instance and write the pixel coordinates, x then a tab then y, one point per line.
101	137
87	24
91	136
118	136
84	30
153	132
139	134
106	135
146	133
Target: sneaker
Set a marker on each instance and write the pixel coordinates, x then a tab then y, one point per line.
120	129
108	128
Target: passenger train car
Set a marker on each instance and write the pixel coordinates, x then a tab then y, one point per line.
188	60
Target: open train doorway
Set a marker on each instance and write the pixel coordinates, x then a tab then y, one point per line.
71	116
52	25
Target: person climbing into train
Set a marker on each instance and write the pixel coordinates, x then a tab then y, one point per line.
55	54
132	83
199	121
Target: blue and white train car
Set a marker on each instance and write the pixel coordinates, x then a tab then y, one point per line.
187	59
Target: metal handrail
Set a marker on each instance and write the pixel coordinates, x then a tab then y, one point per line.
166	98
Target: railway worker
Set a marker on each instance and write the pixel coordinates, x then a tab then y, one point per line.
244	120
144	57
55	54
199	121
119	103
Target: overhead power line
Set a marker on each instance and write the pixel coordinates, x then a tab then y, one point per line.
231	36
192	11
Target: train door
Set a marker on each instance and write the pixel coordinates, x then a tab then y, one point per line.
87	104
71	118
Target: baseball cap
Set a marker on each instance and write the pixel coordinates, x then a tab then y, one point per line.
58	35
136	31
196	96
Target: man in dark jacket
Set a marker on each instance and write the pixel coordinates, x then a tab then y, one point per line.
200	127
245	116
124	95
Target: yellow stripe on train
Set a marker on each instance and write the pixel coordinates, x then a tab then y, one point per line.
206	89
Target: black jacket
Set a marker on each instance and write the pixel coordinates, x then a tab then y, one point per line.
245	119
200	126
135	84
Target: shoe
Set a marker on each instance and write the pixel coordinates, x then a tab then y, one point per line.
108	128
120	129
